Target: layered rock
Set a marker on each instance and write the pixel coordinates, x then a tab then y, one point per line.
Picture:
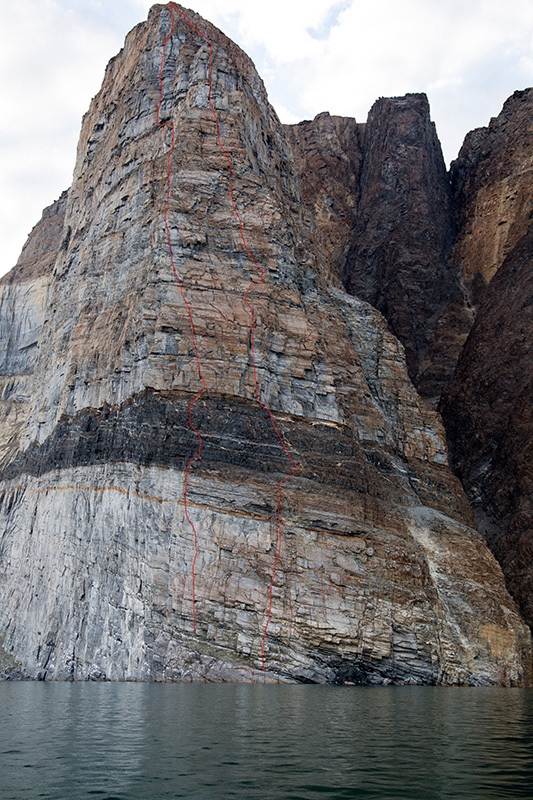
23	294
488	413
376	573
486	406
380	197
328	152
492	184
400	259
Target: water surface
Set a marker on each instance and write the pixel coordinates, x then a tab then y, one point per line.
74	741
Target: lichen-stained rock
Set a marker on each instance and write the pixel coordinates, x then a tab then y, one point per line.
379	574
492	184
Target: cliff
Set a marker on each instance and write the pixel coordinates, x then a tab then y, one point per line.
492	182
486	408
328	152
215	465
381	198
423	247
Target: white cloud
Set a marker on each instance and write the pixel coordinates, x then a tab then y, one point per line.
314	55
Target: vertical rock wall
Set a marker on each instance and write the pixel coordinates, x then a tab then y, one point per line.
486	408
492	183
387	208
376	573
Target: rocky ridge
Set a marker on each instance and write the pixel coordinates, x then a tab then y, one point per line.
381	576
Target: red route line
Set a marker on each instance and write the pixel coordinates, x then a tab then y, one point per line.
258	282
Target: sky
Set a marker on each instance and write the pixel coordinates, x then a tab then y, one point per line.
313	55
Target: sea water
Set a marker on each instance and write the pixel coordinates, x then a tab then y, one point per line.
109	741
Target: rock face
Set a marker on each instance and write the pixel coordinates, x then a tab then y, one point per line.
381	198
395	249
486	407
125	552
398	255
492	184
23	295
329	154
488	413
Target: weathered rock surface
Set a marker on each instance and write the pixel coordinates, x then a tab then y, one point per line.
328	152
393	248
492	184
380	198
398	258
40	251
381	575
487	406
23	293
488	413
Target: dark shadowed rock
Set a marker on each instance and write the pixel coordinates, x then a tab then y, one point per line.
404	232
488	412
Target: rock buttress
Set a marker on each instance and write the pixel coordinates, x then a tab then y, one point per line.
381	576
380	197
328	152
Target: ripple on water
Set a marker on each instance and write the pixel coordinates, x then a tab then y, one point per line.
155	741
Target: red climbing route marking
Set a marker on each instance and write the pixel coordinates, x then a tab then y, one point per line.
260	281
198	454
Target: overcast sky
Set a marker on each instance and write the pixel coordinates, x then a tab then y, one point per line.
314	55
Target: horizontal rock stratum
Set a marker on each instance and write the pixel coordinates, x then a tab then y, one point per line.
128	554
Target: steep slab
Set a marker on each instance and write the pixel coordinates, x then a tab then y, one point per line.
126	553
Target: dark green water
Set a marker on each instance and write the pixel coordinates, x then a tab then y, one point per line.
154	741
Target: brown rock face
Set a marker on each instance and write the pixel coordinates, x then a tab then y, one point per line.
380	198
328	153
375	573
487	409
398	256
492	183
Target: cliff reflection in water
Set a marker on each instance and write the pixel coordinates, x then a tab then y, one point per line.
138	741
